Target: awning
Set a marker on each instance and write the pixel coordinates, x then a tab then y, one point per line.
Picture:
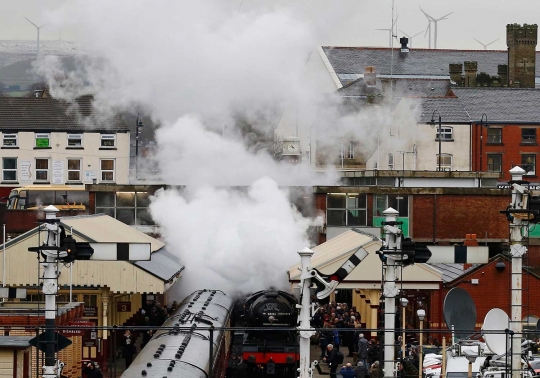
162	264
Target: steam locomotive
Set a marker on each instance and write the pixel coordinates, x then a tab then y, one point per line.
184	346
265	351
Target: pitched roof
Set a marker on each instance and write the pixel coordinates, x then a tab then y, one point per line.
420	62
402	88
501	104
49	114
451	110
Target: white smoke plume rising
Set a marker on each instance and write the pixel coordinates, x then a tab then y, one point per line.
192	66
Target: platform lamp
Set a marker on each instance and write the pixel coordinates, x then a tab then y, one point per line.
138	126
421	315
439	129
404	303
482	125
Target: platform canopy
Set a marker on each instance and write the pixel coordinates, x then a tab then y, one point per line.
329	256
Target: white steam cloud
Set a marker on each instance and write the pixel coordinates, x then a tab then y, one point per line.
193	66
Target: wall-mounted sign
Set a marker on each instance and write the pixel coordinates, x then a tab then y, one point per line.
123	306
90	311
58	172
26	171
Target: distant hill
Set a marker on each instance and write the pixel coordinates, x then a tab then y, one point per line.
21	73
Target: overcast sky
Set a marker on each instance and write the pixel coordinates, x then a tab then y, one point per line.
353	21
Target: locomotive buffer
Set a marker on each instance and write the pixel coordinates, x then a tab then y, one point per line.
60	249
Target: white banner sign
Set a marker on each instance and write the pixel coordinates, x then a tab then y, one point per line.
58	172
26	171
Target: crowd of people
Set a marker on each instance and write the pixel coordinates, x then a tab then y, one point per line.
344	330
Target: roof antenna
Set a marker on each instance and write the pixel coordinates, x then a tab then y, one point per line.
38	28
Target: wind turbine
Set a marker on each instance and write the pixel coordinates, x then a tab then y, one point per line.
390	32
428	30
485	46
38	28
434	20
408	36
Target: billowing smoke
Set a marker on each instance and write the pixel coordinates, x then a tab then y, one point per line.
196	67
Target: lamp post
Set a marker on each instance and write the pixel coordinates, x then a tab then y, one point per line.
439	128
421	315
138	126
404	303
482	125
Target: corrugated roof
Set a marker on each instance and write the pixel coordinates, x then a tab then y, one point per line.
103	228
163	265
49	114
501	104
15	342
353	60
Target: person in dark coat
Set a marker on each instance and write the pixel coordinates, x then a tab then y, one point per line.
331	359
92	371
128	347
347	371
363	350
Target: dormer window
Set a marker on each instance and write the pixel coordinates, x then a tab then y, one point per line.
108	140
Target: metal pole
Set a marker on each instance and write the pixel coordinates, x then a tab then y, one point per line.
443	367
481	146
420	354
304	326
391	291
440	139
137	152
71	276
517	251
4	260
211	355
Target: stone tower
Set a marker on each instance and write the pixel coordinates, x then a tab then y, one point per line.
521	42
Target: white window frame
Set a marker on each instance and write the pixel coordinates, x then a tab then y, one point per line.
42	136
101	171
391	161
107	137
10	136
445	167
10	169
74	137
350	154
74	170
447	133
48	170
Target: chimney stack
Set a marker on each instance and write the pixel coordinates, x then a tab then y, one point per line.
470	73
521	42
456	70
370	77
404	41
502	71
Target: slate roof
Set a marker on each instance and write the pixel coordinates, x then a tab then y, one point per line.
451	110
452	271
501	104
403	88
48	114
15	342
423	62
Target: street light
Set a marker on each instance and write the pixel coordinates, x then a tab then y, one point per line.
486	125
421	315
404	303
432	123
138	126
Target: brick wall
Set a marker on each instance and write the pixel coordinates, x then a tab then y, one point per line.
454	216
492	291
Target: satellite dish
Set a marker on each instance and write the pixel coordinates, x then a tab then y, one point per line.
460	312
496	320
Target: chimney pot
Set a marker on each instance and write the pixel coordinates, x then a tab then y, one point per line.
370	77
